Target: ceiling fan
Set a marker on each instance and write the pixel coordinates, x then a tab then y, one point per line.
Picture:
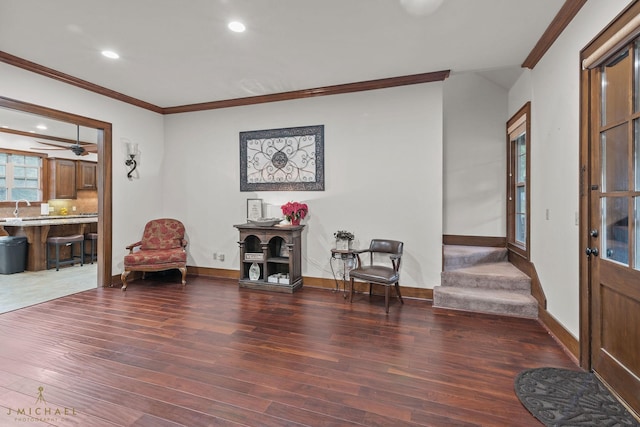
78	148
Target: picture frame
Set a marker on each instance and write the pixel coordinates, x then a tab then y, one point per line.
254	209
287	159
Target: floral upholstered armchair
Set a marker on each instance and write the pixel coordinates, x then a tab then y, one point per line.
162	248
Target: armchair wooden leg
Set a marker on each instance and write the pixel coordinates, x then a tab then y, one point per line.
123	277
183	270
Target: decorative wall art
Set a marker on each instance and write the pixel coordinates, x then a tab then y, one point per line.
290	159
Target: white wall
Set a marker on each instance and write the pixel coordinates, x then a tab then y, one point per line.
383	176
475	116
134	202
553	88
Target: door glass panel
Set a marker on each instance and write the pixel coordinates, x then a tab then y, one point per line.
636	263
521	165
615	227
636	152
615	159
616	80
521	215
636	77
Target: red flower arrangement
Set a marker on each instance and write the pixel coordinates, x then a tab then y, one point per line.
295	211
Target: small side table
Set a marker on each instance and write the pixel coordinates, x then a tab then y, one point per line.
344	255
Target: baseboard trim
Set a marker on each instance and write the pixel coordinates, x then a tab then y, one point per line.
568	342
318	282
494	242
312	282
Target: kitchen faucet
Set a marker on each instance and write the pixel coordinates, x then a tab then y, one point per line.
15	212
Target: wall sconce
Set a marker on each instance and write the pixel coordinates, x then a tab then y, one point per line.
132	152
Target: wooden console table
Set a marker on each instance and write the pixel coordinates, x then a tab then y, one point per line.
276	251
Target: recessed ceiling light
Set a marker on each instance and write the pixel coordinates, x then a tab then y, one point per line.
237	27
110	54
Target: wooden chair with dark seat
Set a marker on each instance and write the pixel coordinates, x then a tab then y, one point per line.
377	273
162	248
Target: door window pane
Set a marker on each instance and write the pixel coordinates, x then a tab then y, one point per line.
636	263
636	153
615	159
616	80
615	227
636	77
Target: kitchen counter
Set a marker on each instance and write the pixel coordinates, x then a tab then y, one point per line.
38	229
37	221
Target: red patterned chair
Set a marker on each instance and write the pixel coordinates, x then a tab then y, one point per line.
162	248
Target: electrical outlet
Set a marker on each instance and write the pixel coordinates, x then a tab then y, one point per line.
215	255
221	257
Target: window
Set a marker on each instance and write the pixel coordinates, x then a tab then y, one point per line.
518	137
20	176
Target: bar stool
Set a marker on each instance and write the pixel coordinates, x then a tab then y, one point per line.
93	238
65	241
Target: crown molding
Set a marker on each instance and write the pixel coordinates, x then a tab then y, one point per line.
565	15
7	58
319	91
261	99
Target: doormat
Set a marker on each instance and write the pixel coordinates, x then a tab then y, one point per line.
562	397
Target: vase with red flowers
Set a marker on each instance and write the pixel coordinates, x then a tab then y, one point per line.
295	211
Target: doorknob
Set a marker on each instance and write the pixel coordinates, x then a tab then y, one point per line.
592	251
594	233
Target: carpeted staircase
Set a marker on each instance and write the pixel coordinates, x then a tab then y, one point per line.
480	279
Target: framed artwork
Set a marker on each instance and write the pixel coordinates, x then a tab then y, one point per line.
254	209
290	159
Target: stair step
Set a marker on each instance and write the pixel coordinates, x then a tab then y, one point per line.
491	301
456	256
498	275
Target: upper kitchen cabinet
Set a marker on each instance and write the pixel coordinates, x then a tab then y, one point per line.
86	177
62	179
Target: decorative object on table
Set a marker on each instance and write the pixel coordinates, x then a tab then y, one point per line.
254	272
563	397
279	278
284	250
254	256
344	239
290	159
265	222
254	209
295	211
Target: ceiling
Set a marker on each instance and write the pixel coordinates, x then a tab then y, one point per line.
175	53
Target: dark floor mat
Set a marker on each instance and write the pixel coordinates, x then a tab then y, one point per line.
562	397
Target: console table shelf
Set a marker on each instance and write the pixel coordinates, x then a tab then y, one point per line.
277	252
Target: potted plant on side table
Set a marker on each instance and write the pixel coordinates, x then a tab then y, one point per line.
344	239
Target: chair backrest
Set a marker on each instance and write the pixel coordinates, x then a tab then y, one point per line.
386	246
163	233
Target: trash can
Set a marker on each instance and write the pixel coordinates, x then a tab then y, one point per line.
13	254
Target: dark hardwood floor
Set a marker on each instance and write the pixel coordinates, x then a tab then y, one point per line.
212	354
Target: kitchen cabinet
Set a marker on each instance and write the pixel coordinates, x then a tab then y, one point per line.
62	179
270	257
86	178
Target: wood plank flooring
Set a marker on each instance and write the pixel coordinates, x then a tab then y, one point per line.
212	354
